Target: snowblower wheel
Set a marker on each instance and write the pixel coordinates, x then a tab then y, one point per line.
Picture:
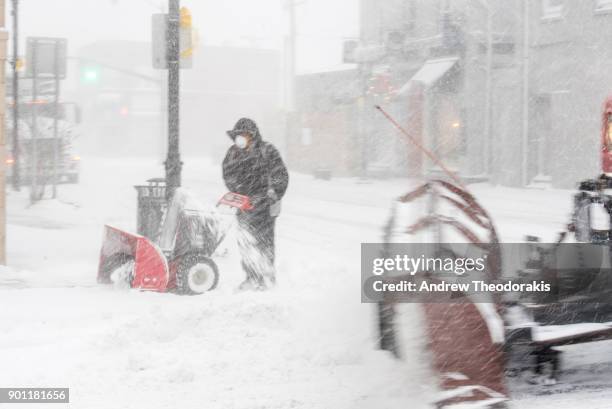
196	274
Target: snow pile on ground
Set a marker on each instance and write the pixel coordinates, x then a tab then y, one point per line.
131	349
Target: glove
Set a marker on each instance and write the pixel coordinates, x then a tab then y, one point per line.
274	203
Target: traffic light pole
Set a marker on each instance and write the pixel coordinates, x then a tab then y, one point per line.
15	151
35	194
56	143
173	162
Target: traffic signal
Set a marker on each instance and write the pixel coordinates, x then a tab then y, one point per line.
19	64
160	39
186	37
185	18
90	75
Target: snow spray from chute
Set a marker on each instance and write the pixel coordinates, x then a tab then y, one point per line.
210	217
466	339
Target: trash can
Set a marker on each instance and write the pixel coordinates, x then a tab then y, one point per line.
152	206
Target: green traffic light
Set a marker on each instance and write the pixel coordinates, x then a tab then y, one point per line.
90	75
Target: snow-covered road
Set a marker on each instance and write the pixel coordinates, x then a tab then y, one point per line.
309	343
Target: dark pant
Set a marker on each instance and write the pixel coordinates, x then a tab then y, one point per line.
256	243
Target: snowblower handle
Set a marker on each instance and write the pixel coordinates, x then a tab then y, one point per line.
236	200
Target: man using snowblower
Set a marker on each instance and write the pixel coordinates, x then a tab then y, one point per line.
254	168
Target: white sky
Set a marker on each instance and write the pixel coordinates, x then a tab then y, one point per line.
322	24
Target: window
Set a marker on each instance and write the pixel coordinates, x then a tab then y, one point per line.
552	8
603	5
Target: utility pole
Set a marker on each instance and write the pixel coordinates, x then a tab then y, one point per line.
163	110
488	143
15	151
173	162
34	190
290	61
488	111
291	44
56	146
3	41
525	96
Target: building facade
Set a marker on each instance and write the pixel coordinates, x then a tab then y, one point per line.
323	137
569	77
506	91
449	63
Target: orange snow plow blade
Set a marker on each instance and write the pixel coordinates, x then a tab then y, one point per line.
144	261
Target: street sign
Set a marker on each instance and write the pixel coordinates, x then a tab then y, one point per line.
50	57
159	42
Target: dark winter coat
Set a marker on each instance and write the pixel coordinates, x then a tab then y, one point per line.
254	170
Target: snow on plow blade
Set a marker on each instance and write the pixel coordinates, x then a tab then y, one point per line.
120	249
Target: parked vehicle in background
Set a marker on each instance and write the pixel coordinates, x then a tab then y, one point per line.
68	166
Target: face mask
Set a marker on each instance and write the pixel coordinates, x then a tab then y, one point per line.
241	142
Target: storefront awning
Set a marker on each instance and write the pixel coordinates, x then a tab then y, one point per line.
430	73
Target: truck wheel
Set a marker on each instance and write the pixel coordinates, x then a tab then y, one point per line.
196	275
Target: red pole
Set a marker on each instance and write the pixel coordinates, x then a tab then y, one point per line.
426	151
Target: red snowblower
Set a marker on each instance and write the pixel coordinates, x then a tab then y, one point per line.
173	248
